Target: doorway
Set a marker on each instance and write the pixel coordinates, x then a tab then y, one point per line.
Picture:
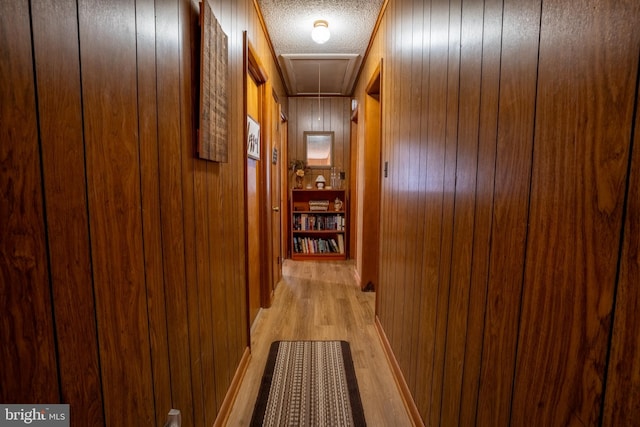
256	224
370	239
263	216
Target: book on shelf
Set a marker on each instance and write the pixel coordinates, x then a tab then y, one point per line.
304	222
315	245
341	243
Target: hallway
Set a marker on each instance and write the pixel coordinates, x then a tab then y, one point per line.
507	222
321	301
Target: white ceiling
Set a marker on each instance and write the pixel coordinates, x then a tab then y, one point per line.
289	24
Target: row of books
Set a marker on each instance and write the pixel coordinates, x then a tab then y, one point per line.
314	245
304	222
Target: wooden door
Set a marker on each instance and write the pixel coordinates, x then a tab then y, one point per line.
253	209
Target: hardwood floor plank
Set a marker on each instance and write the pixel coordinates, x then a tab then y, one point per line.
322	301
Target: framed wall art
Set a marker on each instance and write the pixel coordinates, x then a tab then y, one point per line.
253	138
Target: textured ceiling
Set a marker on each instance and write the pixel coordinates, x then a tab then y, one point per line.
289	24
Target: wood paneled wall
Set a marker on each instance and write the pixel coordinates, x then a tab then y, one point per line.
122	255
509	243
330	114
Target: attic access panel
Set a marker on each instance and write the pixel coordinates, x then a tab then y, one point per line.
337	73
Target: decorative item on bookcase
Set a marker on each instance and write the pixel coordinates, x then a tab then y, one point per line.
320	181
299	168
318	205
336	178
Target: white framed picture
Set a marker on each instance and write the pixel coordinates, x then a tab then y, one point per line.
253	138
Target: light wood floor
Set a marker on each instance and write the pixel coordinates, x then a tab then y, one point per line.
321	301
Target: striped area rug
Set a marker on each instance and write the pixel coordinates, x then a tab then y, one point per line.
309	383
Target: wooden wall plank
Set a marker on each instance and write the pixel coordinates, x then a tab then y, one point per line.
518	77
464	209
200	302
27	347
174	199
417	162
449	187
578	181
224	226
402	166
57	66
435	76
113	171
622	399
485	185
218	289
151	216
188	53
204	386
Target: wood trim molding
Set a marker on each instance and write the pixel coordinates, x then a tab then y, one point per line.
365	57
254	65
256	7
407	398
356	276
245	71
234	388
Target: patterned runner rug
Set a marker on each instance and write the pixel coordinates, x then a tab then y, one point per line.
309	383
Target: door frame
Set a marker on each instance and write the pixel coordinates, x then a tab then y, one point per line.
273	188
253	67
284	186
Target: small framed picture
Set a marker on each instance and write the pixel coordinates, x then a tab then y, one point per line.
253	138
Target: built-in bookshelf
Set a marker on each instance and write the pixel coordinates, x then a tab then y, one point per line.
318	224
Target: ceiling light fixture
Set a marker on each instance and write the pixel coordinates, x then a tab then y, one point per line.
320	33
